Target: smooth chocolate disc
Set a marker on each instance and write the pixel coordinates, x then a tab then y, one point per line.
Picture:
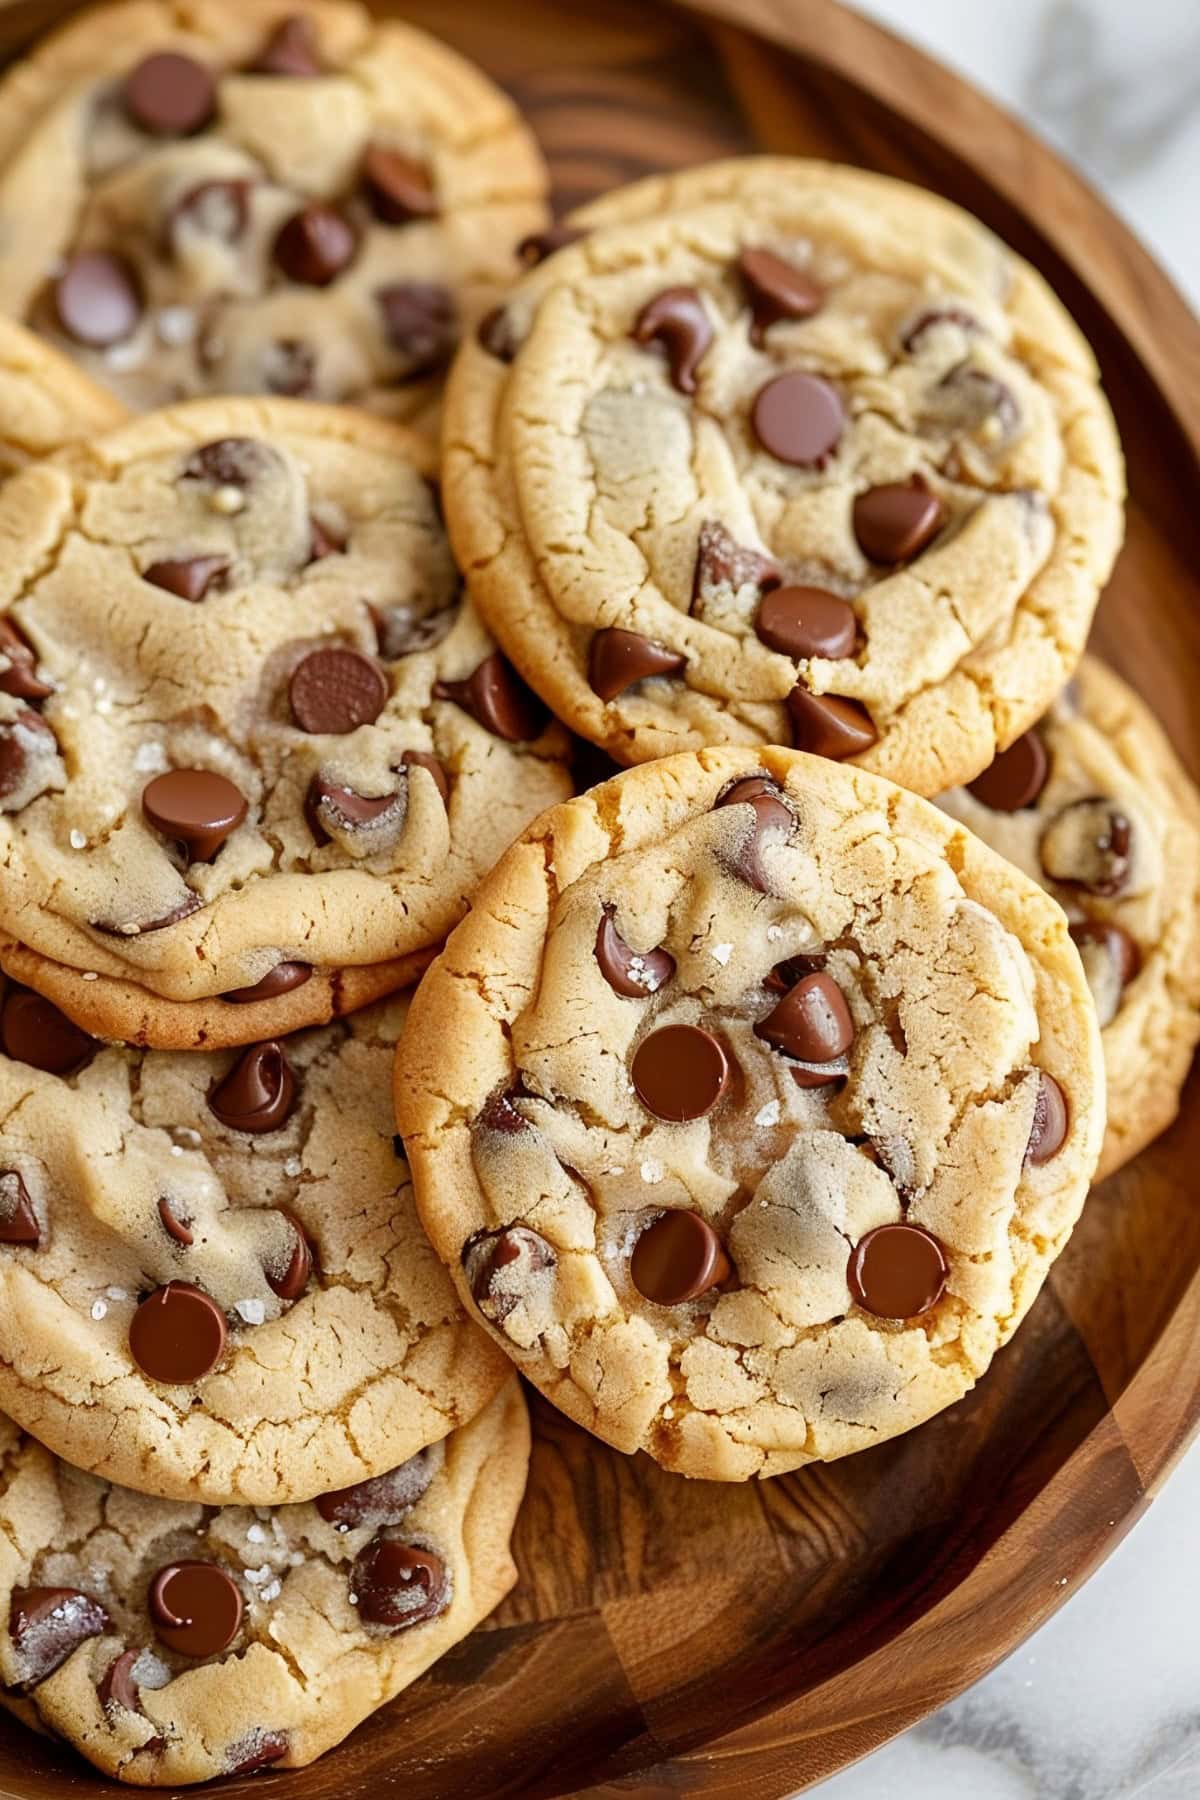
799	419
335	690
497	698
175	1225
1048	1132
1015	778
420	320
829	725
178	1334
773	819
259	1092
196	807
98	299
291	1277
897	1271
398	188
18	1221
280	980
382	1501
191	577
195	1608
631	973
618	659
46	1624
680	1072
398	1585
677	1258
170	95
291	49
896	520
517	1249
20	678
812	1022
807	621
676	319
315	245
777	290
35	1032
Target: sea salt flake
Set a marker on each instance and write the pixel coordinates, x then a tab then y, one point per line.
78	840
293	1166
652	1171
98	1309
255	1534
721	953
272	1590
90	975
117	1293
149	757
774	933
256	1576
252	1311
176	325
227	500
768	1114
176	1150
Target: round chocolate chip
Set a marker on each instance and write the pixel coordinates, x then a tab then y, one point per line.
799	419
33	1031
291	49
896	520
678	1258
230	462
933	316
289	366
420	321
1089	844
1048	1132
191	578
46	1624
98	299
384	1500
498	699
829	725
131	928
773	821
631	973
807	621
280	980
195	1608
219	210
499	1265
399	631
1015	778
178	1334
196	807
618	659
777	290
259	1092
680	1072
18	1221
170	95
334	810
334	691
722	564
421	759
897	1271
173	1223
397	187
289	1276
314	245
812	1022
1111	959
398	1585
20	678
117	1686
676	319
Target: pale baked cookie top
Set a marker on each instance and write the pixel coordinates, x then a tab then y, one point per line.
251	196
261	727
211	1268
300	1619
815	461
1094	804
750	1106
45	401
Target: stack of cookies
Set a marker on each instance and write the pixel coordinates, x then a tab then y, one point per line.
754	1090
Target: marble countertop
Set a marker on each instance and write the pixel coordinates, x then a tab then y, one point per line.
1103	1703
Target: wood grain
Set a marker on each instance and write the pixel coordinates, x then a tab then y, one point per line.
671	1638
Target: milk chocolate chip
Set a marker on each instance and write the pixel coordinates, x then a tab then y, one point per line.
629	972
178	1334
259	1092
397	188
678	1258
539	245
723	563
173	1223
812	1022
1048	1132
829	725
676	319
382	1501
896	520
337	689
799	419
190	578
33	1031
20	678
46	1624
291	49
219	210
807	621
289	1276
499	1265
773	820
777	290
1111	959
18	1221
897	1271
680	1072
619	659
28	749
420	321
397	1585
117	1686
196	807
315	245
335	811
195	1608
1015	778
170	95
498	699
1089	844
280	980
98	299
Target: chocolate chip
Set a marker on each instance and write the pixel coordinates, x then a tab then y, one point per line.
500	1264
332	810
255	1751
401	631
25	743
778	290
46	1624
280	980
229	462
786	974
323	541
291	49
829	725
897	1271
176	1227
807	621
289	366
398	188
539	245
678	1258
33	1031
117	1686
680	1072
196	808
1089	844
1111	959
170	95
420	321
676	319
191	578
98	299
213	209
773	819
812	1022
398	1585
18	1221
721	562
178	1334
289	1278
799	419
20	678
259	1092
335	690
384	1500
1015	778
631	973
497	334
498	699
933	316
195	1608
126	928
314	245
1048	1132
619	659
971	400
499	1113
896	520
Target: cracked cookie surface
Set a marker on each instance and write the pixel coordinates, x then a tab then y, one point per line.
316	1640
749	1107
242	196
258	732
1095	805
216	1284
45	401
808	457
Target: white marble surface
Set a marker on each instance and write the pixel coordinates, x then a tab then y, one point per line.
1104	1703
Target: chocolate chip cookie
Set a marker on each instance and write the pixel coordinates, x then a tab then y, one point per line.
249	197
45	401
171	1642
1094	804
808	458
750	1106
214	1278
255	745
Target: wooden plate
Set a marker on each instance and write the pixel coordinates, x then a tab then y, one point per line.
670	1637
